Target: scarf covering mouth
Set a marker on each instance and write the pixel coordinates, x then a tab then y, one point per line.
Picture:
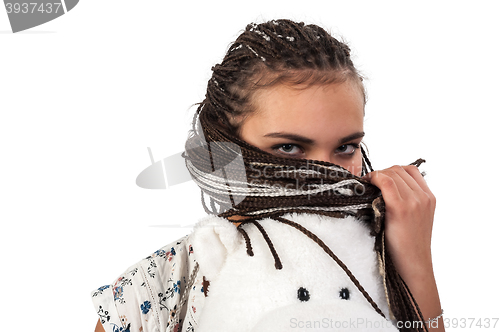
241	179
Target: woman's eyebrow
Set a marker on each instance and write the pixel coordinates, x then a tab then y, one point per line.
293	137
302	139
351	137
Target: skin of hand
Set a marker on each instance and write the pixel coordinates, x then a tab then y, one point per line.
409	219
410	207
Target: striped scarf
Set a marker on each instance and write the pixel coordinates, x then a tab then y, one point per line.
240	179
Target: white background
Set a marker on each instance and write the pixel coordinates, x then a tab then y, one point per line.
83	96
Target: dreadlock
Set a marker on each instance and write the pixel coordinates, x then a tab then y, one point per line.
264	55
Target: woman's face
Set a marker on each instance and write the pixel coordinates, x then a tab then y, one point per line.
319	122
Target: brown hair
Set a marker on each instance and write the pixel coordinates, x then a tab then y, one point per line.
270	53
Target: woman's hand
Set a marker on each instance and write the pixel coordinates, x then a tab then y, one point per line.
410	206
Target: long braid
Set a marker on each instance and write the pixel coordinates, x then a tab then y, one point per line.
277	261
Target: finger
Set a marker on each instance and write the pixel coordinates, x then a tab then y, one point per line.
420	190
405	183
427	195
407	178
402	178
417	176
386	182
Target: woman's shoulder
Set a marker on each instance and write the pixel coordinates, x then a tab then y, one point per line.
157	266
149	293
169	254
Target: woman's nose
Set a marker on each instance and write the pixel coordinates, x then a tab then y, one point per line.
321	155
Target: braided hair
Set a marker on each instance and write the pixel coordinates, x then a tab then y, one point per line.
271	53
284	52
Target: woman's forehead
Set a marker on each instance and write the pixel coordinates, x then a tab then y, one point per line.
318	107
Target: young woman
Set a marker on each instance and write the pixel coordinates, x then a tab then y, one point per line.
288	93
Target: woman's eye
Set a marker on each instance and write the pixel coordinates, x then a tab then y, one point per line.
288	149
347	149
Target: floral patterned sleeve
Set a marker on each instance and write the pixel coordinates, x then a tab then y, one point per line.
163	292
